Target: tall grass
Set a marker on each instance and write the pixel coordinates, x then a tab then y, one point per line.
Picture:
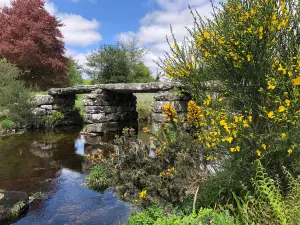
143	107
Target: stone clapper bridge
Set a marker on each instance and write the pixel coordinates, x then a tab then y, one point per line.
108	107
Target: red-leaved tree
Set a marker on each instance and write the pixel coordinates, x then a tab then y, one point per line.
30	38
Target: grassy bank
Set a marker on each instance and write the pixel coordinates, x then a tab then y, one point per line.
143	107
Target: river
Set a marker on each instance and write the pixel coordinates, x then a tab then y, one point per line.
53	163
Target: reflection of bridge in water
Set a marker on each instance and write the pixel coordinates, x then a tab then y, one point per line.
107	107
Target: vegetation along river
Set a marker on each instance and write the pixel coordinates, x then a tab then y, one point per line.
54	164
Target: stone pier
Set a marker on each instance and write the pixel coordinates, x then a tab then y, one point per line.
107	111
179	103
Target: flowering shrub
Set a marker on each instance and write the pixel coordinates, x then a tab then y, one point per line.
168	171
248	54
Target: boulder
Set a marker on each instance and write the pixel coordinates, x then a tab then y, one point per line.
42	100
94	118
12	205
39	112
47	107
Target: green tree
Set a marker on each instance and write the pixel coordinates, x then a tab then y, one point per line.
120	63
74	73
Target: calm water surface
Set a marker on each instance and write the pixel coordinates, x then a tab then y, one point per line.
53	163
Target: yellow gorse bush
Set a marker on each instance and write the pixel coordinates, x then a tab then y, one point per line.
248	53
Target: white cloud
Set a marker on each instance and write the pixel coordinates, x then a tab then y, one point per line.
155	26
4	2
79	31
51	8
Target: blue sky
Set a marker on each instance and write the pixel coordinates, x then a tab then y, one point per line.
90	23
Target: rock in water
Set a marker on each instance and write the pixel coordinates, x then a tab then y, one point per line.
12	205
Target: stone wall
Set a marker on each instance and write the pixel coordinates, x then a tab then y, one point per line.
106	111
46	105
179	103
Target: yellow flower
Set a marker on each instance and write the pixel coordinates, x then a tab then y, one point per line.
281	109
271	86
290	151
248	58
143	194
283	135
146	130
206	34
264	146
223	123
228	139
296	81
271	114
250	118
238	148
287	102
124	195
245	124
236	119
258	152
175	120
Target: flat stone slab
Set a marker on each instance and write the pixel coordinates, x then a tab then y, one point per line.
12	205
136	87
84	89
118	88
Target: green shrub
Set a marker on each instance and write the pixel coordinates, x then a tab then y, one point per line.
53	119
147	216
14	97
8	124
157	216
247	54
98	178
267	204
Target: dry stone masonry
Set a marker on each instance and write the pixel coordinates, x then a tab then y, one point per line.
179	102
46	105
107	107
107	111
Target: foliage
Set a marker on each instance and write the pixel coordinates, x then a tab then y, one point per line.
156	215
98	178
120	63
74	73
143	106
30	38
169	171
267	205
51	120
87	82
242	68
79	103
141	74
14	97
8	124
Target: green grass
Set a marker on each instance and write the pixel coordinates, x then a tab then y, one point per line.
39	92
79	103
143	107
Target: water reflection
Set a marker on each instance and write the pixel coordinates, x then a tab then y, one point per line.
53	163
